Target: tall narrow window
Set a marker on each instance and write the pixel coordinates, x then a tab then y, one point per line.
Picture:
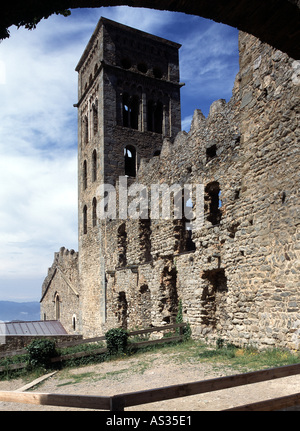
84	175
158	117
213	203
154	116
95	117
134	113
94	165
94	215
122	245
57	307
85	129
126	110
131	108
130	161
85	219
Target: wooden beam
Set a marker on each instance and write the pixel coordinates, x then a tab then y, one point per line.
61	400
270	405
210	385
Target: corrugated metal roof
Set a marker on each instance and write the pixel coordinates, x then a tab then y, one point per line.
39	327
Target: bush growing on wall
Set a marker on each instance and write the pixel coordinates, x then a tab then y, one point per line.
116	340
40	353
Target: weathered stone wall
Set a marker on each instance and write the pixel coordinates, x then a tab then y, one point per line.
18	342
241	282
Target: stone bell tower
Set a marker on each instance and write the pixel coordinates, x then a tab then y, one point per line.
129	101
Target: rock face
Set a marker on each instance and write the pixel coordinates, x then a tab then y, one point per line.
235	268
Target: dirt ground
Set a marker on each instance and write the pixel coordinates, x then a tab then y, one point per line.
153	370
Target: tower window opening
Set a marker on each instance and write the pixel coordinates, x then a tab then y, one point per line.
154	116
95	117
142	67
130	160
126	63
131	108
94	214
85	219
85	129
157	72
94	164
84	175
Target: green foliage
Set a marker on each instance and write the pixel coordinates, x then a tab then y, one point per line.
40	353
31	15
116	340
187	332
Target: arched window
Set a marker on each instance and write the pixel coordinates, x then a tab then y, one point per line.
84	175
95	117
85	219
94	214
57	307
74	322
130	160
154	116
94	165
131	108
85	129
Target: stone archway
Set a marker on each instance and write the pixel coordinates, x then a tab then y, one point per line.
276	22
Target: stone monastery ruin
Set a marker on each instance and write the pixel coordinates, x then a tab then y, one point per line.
237	273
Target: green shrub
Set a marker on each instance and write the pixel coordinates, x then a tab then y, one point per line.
40	353
116	340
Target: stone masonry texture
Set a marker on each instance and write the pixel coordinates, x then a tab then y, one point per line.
237	275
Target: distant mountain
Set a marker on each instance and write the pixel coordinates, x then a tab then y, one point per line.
10	310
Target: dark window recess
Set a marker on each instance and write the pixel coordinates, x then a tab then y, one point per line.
94	215
95	117
157	72
122	245
154	116
85	129
85	219
131	106
212	297
211	152
126	63
130	161
84	175
212	203
142	67
94	165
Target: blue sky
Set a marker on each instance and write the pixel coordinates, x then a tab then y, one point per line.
38	128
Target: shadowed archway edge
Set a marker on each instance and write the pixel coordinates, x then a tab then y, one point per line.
276	22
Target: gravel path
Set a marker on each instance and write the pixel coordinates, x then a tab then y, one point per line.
151	371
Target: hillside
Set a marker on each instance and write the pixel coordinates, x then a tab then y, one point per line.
10	310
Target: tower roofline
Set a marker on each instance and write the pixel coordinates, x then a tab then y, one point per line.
103	21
